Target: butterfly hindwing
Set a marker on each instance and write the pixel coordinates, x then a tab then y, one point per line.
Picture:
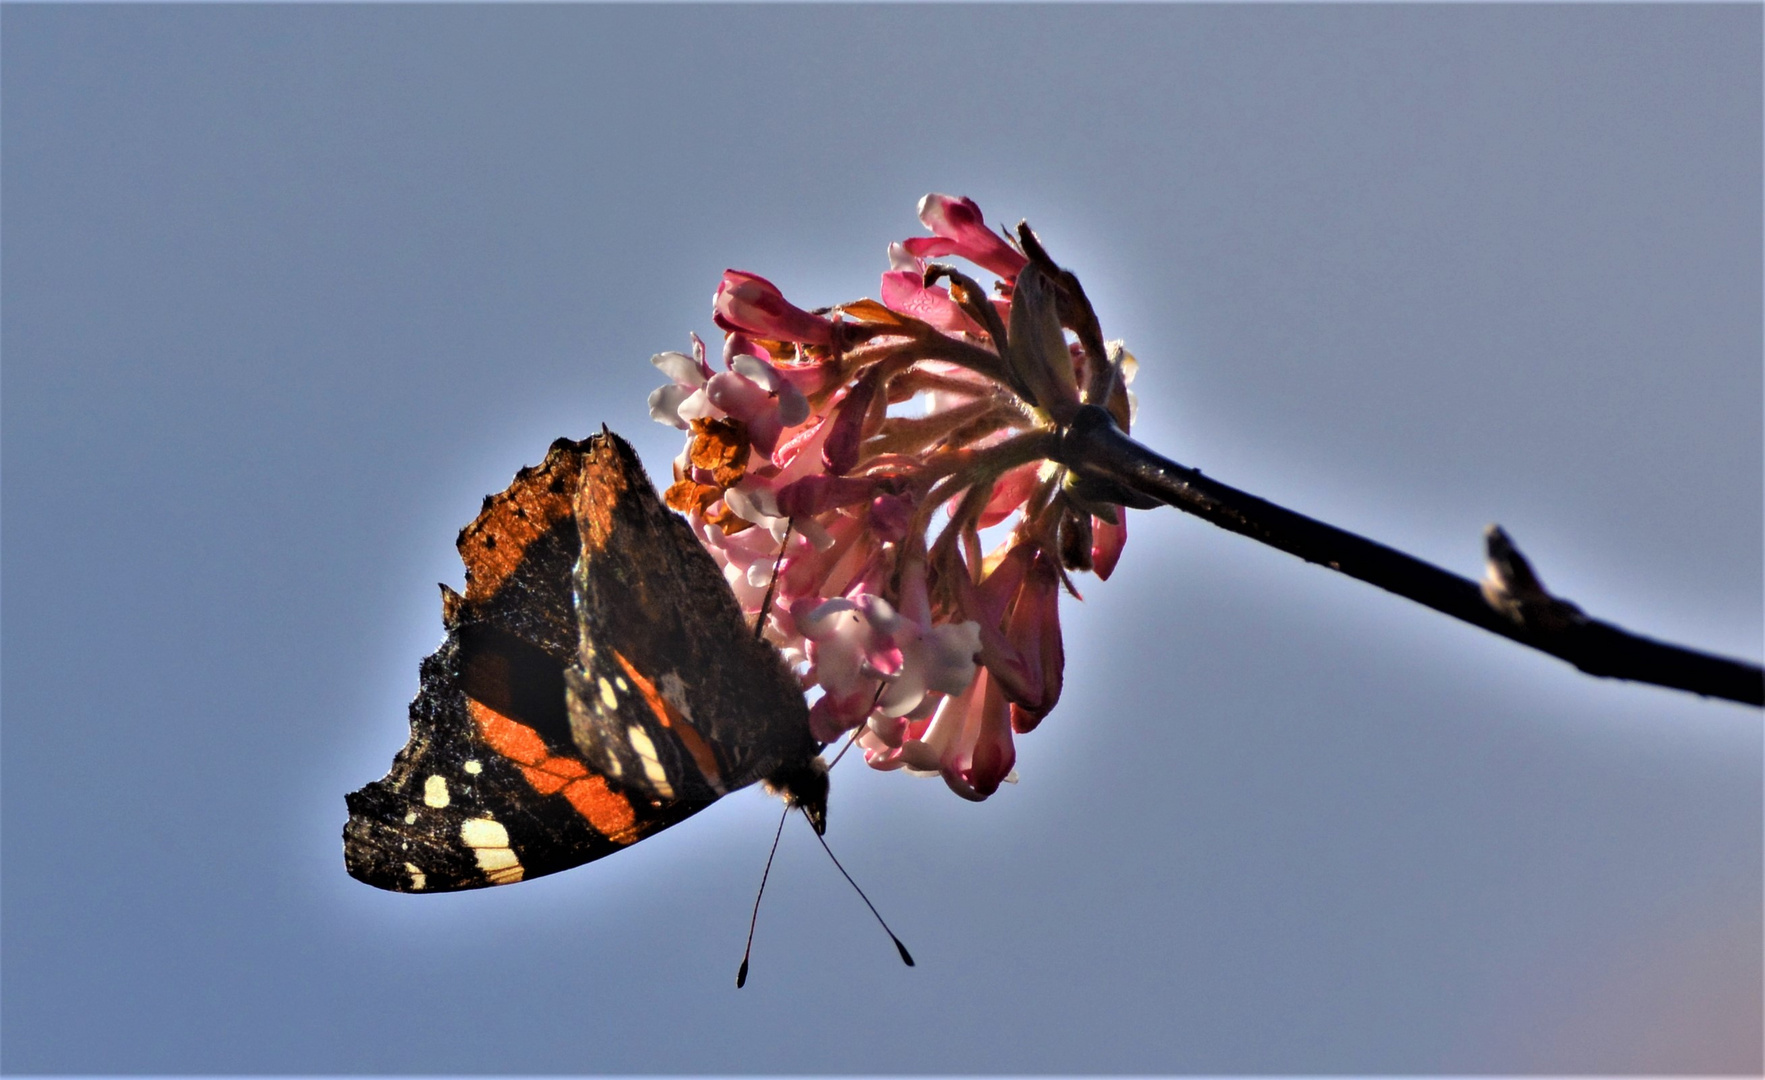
456	814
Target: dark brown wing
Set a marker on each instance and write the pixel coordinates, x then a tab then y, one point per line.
672	692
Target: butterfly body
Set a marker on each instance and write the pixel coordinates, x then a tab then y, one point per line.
598	684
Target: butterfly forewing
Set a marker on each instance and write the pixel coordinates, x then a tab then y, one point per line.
660	628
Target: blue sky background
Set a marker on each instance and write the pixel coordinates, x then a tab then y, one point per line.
287	290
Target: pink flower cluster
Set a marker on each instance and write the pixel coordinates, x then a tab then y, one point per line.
819	456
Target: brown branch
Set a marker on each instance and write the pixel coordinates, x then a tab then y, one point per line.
1511	602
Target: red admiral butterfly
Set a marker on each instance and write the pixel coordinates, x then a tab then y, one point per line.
598	684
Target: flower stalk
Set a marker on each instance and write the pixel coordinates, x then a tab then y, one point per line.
1534	619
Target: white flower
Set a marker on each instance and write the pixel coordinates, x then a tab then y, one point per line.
682	399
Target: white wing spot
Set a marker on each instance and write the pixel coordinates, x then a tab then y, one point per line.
619	681
410	817
490	860
489	842
652	766
482	832
473	768
607	696
435	791
641	743
418	878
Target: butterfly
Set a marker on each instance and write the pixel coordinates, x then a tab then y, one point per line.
598	683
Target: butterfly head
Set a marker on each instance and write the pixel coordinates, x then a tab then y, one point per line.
803	783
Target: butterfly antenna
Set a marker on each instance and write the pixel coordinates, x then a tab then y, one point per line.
836	758
906	957
741	975
857	731
772	586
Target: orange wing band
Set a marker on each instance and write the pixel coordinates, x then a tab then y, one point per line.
609	812
670	718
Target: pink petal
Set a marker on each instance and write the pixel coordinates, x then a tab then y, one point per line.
815	617
764	430
889	730
1009	493
1107	542
881	652
737	395
738	344
833	716
906	292
795	455
808	376
665	404
680	367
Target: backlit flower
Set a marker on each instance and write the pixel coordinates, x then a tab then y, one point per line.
819	461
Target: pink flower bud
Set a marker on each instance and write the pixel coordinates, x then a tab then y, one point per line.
1107	542
748	303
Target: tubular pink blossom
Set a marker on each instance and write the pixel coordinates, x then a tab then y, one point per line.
968	742
961	229
809	570
987	605
748	303
814	495
1033	628
943	741
993	754
840	452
